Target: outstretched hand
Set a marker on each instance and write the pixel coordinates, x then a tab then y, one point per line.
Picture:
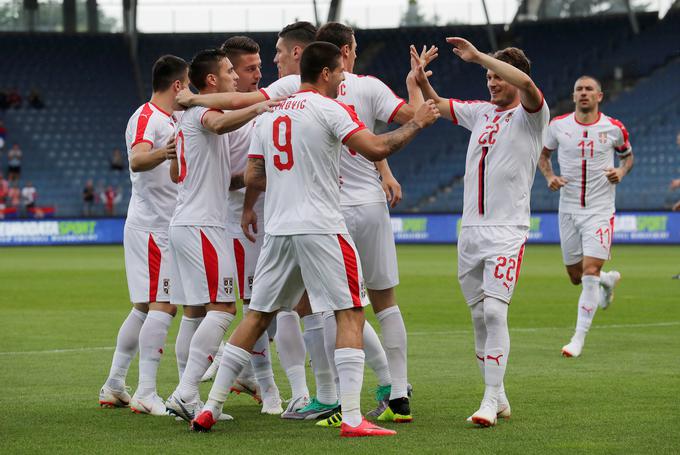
464	49
420	61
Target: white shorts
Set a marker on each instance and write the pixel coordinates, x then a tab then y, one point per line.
147	265
204	264
327	265
371	229
585	235
489	261
245	258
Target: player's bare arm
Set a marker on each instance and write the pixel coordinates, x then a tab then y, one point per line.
228	100
376	148
143	158
555	182
389	183
174	170
530	95
616	174
220	123
256	183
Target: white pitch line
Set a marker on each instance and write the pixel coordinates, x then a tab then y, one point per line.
448	332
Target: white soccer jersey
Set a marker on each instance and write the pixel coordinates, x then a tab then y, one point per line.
373	101
204	173
501	161
301	144
584	151
153	194
239	142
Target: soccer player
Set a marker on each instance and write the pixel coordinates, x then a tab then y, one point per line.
505	143
150	143
294	154
586	142
198	239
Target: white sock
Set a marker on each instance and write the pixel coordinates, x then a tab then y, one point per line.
127	344
291	349
247	373
587	305
394	341
376	358
261	364
350	365
330	330
313	335
151	344
233	361
477	313
187	328
202	350
497	347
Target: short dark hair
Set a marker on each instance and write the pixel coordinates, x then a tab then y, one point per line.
237	46
336	33
302	32
317	56
515	57
587	76
167	70
204	63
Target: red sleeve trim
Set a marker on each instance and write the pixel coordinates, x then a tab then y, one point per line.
143	122
396	109
454	119
209	110
255	155
624	132
140	141
353	132
529	111
266	95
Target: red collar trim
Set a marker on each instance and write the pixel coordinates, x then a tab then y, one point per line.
161	110
599	116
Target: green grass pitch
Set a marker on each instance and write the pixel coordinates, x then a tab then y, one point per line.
61	308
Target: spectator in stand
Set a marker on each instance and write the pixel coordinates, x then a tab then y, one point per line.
35	99
14	163
28	197
675	184
3	135
88	198
4	104
110	198
4	189
14	194
14	100
117	162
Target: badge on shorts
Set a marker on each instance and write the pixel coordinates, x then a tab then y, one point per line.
363	290
250	283
166	285
228	285
603	138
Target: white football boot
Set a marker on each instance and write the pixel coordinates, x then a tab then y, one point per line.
153	405
573	349
110	398
608	291
485	415
293	405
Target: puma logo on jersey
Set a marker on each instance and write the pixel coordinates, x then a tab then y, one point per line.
497	359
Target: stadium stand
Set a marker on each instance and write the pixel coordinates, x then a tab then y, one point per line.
70	141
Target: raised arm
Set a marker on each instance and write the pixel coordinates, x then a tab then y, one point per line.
376	148
228	101
419	64
530	95
143	158
222	122
555	182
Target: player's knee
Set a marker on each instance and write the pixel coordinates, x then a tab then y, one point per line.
495	313
575	278
592	269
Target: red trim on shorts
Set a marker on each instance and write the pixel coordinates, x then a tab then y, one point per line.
352	269
611	234
394	112
211	266
240	256
520	255
154	259
142	122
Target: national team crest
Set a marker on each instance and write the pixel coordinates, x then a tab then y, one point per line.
250	283
228	285
166	285
603	138
363	290
508	117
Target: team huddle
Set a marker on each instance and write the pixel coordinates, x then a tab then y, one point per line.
281	194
